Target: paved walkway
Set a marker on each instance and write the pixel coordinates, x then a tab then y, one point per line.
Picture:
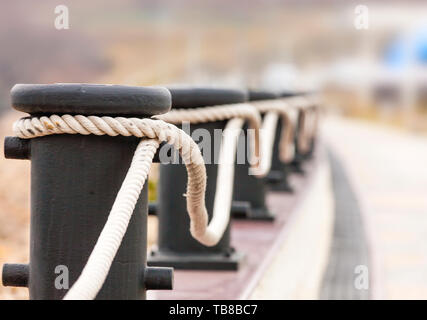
349	248
275	267
388	170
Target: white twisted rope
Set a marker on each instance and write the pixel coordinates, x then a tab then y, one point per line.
220	113
268	133
98	265
309	115
153	132
238	113
225	179
286	144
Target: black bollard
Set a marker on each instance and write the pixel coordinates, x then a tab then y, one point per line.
296	166
250	191
176	246
313	111
278	177
74	182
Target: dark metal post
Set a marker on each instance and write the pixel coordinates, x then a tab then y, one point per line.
278	177
74	181
297	162
313	109
300	155
250	191
176	247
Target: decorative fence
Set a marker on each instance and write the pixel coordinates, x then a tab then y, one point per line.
91	147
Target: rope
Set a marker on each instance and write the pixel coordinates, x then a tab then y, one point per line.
306	106
224	185
153	132
98	265
286	145
220	113
269	125
238	113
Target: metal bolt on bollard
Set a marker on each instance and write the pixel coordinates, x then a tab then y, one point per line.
249	190
176	247
74	181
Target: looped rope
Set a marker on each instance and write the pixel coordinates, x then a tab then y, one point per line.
238	113
153	133
220	113
287	113
307	123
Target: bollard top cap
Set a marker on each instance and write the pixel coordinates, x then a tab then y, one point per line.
196	97
90	99
256	95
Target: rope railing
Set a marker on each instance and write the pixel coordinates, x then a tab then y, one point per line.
152	133
306	131
295	112
219	113
287	113
236	114
99	262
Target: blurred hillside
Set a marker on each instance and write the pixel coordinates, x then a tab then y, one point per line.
281	44
157	42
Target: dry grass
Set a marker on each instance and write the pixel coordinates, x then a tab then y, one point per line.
351	105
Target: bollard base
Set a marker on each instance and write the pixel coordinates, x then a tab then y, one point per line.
284	186
309	156
244	210
214	261
152	208
275	176
297	167
277	181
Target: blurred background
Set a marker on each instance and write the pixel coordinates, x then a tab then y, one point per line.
376	73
